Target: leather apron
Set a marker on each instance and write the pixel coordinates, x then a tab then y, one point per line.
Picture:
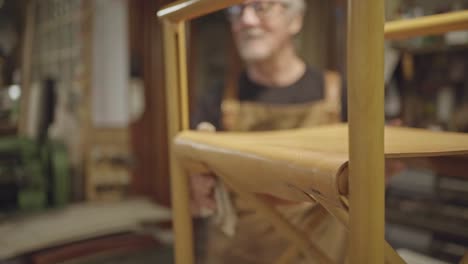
255	240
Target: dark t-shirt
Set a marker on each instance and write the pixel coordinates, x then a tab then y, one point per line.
309	88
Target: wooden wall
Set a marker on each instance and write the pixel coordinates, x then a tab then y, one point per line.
148	134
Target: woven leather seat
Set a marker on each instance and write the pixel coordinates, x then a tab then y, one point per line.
290	164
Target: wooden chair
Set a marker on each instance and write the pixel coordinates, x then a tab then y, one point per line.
352	157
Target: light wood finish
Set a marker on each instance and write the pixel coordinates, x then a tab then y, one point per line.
311	224
175	83
366	130
391	256
314	160
182	10
288	256
297	163
183	86
299	238
427	25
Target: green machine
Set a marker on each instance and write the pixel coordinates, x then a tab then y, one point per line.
33	175
35	171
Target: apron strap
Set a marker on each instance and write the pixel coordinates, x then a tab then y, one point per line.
230	105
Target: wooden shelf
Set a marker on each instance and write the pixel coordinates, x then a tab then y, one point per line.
430	49
426	222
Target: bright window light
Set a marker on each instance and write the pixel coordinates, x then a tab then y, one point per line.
14	91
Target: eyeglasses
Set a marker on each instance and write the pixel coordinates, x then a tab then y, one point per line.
263	9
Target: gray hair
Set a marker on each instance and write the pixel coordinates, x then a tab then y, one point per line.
298	6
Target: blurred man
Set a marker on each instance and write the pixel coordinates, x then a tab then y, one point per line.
276	91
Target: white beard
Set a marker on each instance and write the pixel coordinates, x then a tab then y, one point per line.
245	51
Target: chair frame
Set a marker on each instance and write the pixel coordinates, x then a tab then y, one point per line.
365	50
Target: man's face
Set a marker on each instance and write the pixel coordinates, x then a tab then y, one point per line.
263	27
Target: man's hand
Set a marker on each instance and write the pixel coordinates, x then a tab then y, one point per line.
202	194
202	186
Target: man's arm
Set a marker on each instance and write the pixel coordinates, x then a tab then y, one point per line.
208	108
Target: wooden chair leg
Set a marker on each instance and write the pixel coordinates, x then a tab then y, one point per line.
309	225
282	225
177	120
365	61
391	256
